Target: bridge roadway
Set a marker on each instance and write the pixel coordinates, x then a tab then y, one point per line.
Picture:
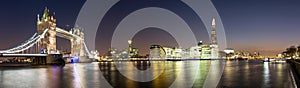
23	55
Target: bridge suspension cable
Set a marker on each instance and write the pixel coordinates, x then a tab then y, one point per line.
24	44
28	44
36	38
86	49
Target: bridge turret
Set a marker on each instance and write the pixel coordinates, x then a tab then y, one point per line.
46	13
38	19
77	30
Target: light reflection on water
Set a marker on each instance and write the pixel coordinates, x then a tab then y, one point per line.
182	70
256	74
266	75
95	75
237	74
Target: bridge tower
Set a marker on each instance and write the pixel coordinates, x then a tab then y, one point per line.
48	43
77	44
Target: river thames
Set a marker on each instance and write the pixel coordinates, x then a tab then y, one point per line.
236	74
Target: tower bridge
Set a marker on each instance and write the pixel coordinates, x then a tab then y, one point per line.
44	40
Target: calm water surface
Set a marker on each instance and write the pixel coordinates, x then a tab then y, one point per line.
256	74
237	74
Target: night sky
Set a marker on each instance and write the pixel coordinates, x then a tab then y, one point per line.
266	26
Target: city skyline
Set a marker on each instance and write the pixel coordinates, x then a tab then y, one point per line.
261	31
150	43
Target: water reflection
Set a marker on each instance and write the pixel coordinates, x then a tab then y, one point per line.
255	74
266	75
237	74
178	71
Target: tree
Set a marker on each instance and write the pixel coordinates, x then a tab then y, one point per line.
291	51
298	50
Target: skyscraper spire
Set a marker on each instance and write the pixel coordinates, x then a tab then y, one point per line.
213	32
214	44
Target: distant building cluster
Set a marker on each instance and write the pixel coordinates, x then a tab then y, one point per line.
201	51
129	52
133	52
232	54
